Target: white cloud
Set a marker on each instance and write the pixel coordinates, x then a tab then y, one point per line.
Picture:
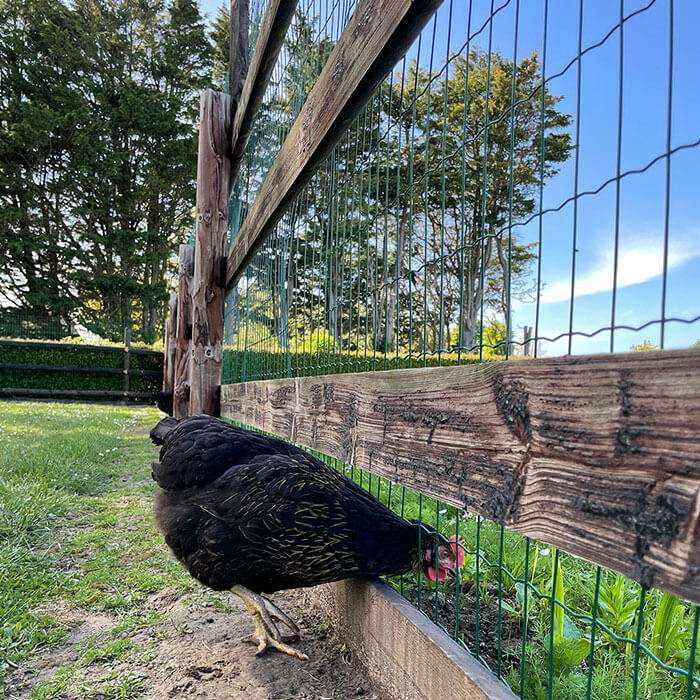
635	265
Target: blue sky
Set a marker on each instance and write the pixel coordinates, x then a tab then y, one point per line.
642	197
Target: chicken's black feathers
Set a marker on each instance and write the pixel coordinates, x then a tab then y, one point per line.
242	508
164	426
164	401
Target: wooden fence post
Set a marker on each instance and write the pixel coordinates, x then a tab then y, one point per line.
166	345
169	345
213	170
127	359
183	334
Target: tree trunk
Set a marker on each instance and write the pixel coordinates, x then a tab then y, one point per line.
385	337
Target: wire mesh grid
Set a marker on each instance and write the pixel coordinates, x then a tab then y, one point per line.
520	185
18	323
315	28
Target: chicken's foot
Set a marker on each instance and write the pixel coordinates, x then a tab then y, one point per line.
264	612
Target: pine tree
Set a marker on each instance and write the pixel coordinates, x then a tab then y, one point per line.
98	108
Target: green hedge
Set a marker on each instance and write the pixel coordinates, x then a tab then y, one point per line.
240	366
76	356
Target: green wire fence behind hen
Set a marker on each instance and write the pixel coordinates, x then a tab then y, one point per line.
521	184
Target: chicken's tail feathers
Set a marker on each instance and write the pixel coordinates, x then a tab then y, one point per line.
160	431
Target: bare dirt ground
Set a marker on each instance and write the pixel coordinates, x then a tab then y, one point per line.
197	652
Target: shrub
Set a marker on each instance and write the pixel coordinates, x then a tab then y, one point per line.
81	356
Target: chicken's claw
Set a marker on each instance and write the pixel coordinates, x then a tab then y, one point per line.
267	634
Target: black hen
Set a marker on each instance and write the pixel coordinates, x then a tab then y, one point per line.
253	514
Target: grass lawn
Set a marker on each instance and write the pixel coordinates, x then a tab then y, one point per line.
92	604
63	497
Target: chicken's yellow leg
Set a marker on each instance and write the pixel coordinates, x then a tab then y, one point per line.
266	633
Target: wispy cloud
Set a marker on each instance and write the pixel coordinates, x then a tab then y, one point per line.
635	265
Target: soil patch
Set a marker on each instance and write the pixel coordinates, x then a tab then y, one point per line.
196	652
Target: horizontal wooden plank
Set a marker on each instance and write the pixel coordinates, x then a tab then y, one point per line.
77	394
375	37
78	370
405	655
41	345
273	29
598	455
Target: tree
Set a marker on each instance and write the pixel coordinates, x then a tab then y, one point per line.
104	96
38	101
456	207
220	39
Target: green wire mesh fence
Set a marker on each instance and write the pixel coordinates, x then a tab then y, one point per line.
549	624
521	184
315	28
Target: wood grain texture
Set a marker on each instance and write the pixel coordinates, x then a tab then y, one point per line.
169	345
213	168
375	37
404	654
183	333
273	29
598	455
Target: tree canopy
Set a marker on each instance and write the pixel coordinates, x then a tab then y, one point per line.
98	108
402	242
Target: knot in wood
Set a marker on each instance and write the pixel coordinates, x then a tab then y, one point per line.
512	403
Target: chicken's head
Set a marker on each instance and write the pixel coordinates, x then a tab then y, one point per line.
442	558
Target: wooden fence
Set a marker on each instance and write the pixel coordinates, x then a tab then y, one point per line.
599	456
74	365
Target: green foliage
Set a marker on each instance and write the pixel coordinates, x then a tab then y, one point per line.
557	594
220	40
618	605
77	356
667	639
98	103
569	647
364	256
320	341
566	624
326	359
644	346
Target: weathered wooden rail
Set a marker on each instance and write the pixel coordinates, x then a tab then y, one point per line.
598	455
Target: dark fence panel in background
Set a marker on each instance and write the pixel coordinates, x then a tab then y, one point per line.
89	372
